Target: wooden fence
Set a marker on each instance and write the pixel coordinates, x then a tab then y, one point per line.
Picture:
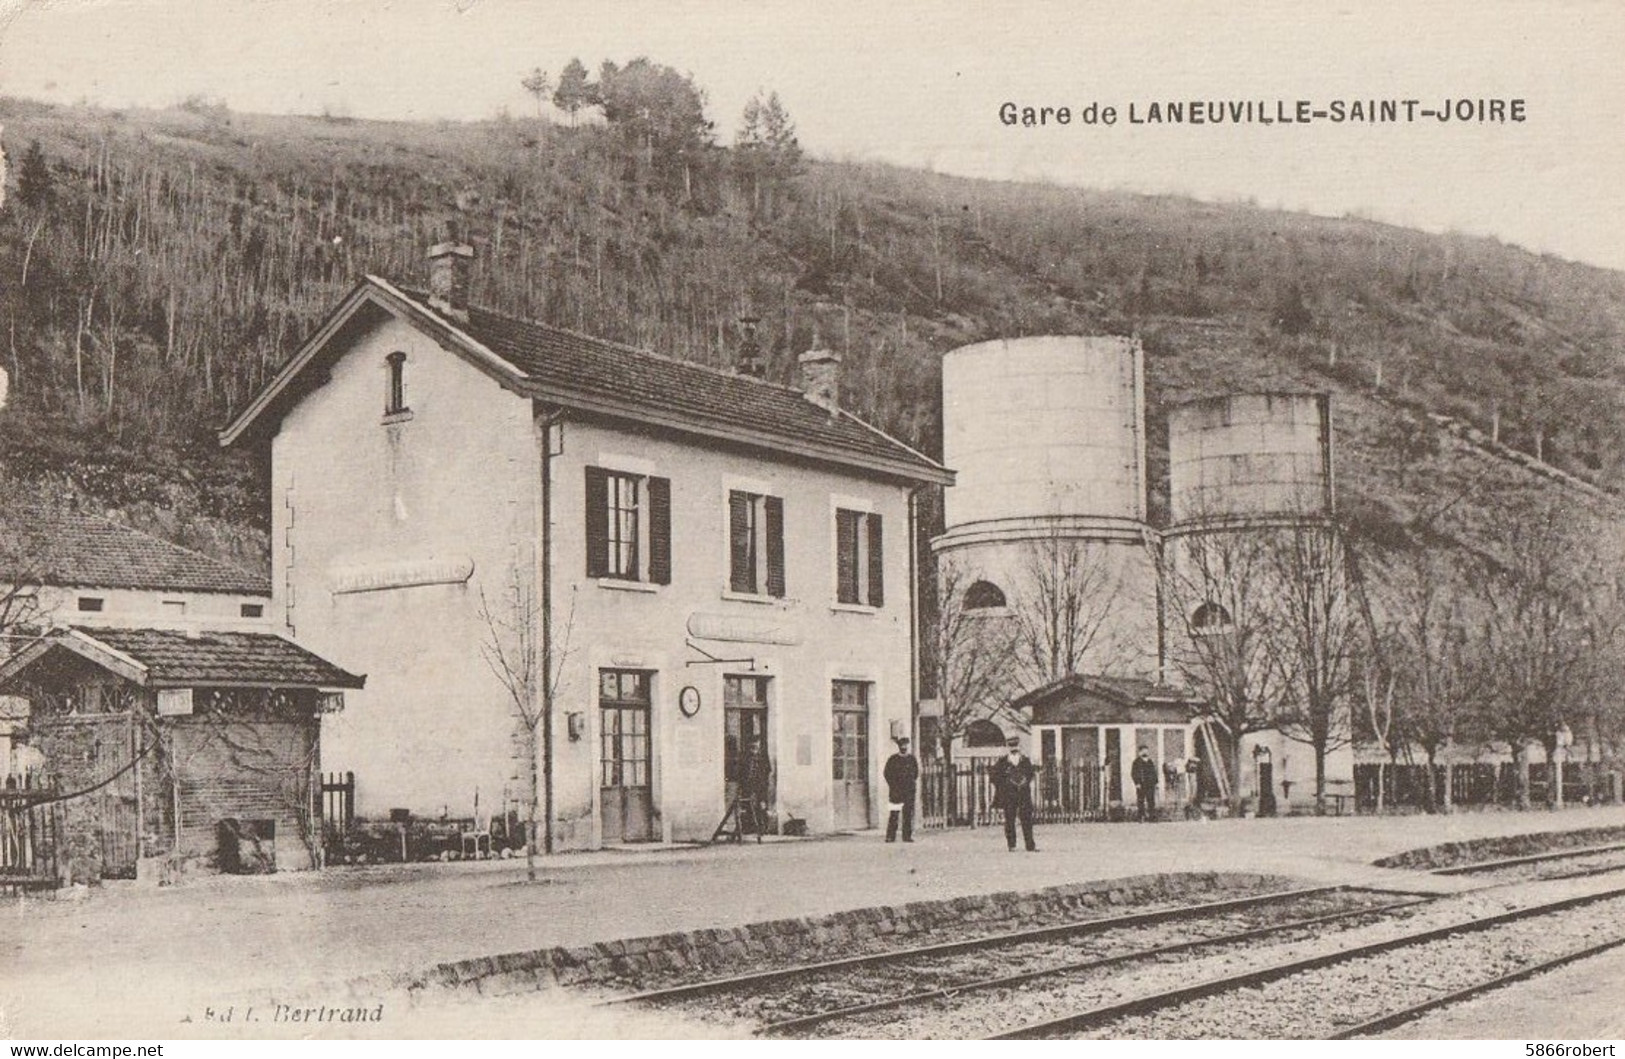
30	833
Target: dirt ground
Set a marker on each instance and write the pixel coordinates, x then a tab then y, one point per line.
125	959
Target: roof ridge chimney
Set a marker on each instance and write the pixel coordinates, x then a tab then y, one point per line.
748	361
449	266
821	376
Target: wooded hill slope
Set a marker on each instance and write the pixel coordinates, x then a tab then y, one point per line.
156	267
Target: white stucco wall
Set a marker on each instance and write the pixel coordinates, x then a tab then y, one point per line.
383	534
154	609
365	512
821	641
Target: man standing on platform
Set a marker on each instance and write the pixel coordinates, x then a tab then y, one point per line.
902	777
1144	774
1013	792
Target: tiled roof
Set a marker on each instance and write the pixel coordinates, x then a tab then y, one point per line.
599	377
178	659
1125	690
569	363
52	545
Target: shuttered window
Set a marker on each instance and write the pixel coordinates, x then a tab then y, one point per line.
846	555
755	543
859	558
628	523
773	515
660	531
742	544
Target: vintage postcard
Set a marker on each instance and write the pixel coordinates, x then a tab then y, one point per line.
775	521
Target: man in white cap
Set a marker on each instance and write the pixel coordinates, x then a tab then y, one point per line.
902	776
1013	792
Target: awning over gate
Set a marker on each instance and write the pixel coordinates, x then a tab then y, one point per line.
1080	699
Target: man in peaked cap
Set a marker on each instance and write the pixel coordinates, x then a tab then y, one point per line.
1013	792
902	777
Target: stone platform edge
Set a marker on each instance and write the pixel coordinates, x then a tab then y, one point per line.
730	950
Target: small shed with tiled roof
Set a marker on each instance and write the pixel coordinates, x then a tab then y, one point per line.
178	748
1098	724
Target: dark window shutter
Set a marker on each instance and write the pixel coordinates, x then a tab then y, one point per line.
660	531
773	514
741	575
877	565
846	556
597	522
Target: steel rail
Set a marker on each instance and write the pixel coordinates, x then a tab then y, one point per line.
977	985
1088	926
1079	1020
1404	1015
1533	858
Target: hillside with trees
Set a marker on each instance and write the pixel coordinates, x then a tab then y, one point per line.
160	265
157	267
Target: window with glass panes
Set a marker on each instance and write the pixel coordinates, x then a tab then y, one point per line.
744	701
623	727
628	526
623	524
849	707
859	572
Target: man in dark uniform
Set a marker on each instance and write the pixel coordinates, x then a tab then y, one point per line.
1144	774
902	776
1013	792
756	787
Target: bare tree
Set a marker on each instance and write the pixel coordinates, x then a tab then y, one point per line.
511	648
1424	654
1540	656
1065	602
1219	585
1318	631
969	655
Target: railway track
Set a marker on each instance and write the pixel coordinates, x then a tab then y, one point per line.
822	997
1289	998
1591	860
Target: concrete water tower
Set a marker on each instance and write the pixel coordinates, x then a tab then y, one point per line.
1047	436
1250	459
1248	476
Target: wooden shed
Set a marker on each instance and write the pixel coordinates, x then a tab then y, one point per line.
172	749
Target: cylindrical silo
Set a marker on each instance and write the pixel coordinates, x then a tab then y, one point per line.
1046	436
1250	456
1043	428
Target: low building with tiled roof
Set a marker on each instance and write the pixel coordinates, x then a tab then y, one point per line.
60	565
164	749
663	565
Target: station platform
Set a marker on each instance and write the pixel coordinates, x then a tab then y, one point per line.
81	964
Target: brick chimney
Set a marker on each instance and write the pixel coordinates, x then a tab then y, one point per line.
821	376
449	265
748	361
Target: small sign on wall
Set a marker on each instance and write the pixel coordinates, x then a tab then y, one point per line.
174	702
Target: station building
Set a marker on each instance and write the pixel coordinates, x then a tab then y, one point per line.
656	563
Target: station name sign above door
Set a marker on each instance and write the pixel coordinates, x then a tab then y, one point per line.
743	628
407	573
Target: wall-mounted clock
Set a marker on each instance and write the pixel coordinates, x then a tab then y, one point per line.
688	700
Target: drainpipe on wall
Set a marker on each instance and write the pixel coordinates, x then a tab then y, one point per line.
548	422
914	613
